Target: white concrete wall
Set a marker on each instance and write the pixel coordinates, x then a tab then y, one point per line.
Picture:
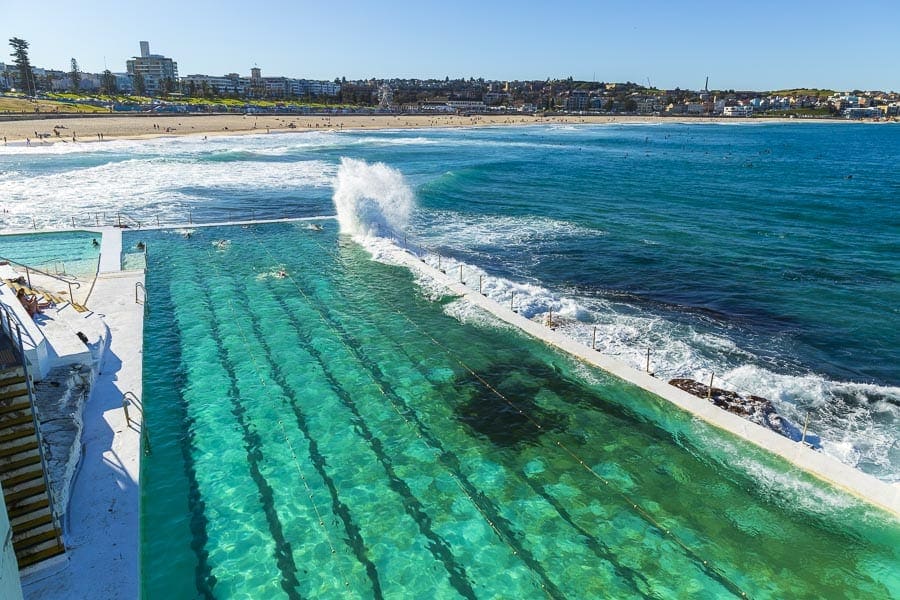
10	586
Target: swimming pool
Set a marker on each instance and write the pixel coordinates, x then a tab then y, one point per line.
64	252
341	432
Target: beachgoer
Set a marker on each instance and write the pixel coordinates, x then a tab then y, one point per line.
31	303
94	242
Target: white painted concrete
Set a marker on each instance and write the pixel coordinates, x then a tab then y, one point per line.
103	523
110	250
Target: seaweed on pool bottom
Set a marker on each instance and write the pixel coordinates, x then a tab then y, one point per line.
510	422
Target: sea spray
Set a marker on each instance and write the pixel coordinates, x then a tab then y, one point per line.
371	200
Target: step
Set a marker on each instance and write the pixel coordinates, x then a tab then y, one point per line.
41	526
14	498
13	450
24	509
17	420
15	406
16	434
11	381
15	393
11	482
36	556
44	518
36	539
14	465
11	372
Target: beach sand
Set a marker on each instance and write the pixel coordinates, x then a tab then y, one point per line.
62	128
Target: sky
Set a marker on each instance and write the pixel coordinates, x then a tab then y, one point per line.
763	45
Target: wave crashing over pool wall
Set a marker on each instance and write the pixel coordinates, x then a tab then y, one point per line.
371	199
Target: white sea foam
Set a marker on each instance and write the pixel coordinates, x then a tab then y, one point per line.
853	428
145	188
453	228
371	199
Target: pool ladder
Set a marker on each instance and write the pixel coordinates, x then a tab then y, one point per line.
128	399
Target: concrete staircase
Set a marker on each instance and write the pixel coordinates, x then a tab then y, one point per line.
36	534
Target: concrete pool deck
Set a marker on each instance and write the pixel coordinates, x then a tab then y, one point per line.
102	524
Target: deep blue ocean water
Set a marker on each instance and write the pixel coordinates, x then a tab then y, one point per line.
767	254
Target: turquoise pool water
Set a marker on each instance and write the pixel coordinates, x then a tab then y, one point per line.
64	253
343	432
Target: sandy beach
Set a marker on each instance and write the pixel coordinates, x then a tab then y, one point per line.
67	128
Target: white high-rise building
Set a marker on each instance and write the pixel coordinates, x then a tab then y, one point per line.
155	69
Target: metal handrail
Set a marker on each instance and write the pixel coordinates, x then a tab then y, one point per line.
139	285
28	270
12	318
129	398
119	216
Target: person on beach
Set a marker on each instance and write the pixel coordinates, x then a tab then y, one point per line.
31	303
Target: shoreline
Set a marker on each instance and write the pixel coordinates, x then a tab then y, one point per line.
66	128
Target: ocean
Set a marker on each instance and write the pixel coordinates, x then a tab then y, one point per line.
764	255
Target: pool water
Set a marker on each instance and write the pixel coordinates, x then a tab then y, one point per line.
63	253
340	431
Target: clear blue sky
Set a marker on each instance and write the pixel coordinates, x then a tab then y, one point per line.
760	45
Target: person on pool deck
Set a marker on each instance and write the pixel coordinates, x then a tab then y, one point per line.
31	303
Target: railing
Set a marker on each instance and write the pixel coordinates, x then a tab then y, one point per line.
127	217
19	350
140	286
29	270
128	399
11	321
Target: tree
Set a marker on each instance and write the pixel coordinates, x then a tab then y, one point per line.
139	84
20	58
167	85
108	83
75	76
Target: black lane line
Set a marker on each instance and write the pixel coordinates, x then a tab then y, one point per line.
204	580
320	463
252	445
439	548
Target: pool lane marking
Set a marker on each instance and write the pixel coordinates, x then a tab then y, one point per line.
354	537
439	548
495	520
203	578
253	447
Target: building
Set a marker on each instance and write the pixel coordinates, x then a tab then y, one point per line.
578	101
231	84
737	111
155	68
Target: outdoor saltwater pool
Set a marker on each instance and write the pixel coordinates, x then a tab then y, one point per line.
340	431
58	253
